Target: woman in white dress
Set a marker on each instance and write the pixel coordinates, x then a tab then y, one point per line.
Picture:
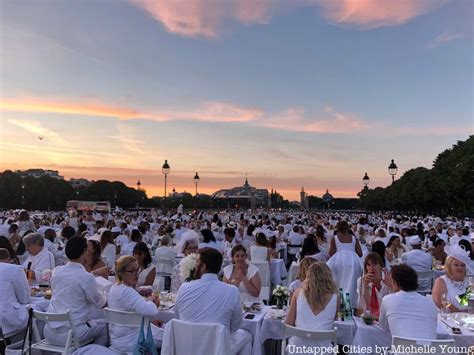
124	297
304	266
25	223
314	305
260	252
375	279
310	249
243	275
108	248
209	241
344	241
147	272
455	282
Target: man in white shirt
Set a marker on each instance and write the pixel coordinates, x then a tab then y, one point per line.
40	258
14	295
164	251
418	259
208	300
75	289
406	313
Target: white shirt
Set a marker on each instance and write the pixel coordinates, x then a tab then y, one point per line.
419	261
122	240
128	249
209	300
215	245
75	289
109	254
14	295
165	252
40	262
125	298
409	315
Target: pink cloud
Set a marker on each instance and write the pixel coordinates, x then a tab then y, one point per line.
370	14
204	17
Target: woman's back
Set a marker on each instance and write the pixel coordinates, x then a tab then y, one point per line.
258	253
345	246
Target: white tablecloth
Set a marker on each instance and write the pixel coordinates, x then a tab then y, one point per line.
294	267
278	272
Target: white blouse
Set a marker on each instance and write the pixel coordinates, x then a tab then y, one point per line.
144	274
244	293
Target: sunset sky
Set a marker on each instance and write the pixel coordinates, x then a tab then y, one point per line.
309	93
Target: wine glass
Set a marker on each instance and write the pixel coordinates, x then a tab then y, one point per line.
446	303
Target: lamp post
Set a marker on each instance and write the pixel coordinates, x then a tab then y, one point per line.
166	170
392	170
196	182
365	181
22	194
139	184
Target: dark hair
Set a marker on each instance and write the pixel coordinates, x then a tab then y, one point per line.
106	238
5	244
342	226
142	248
467	247
21	248
68	232
261	239
208	236
438	242
212	259
250	229
95	252
236	248
75	247
405	277
310	246
392	239
136	236
373	258
379	248
230	232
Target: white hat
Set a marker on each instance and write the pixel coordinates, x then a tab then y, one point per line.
231	224
414	240
116	230
459	253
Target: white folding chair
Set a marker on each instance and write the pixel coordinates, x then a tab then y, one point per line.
129	319
4	338
425	279
407	346
265	279
317	335
71	343
164	269
184	338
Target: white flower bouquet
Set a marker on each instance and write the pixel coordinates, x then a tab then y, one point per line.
188	267
281	292
46	276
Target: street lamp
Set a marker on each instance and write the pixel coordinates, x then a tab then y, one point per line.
166	170
22	194
196	182
392	170
366	180
139	184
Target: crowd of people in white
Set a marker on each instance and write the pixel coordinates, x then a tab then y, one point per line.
376	258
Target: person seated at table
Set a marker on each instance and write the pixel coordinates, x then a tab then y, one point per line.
75	289
455	282
418	259
305	263
147	273
189	246
108	248
395	248
40	258
314	305
260	252
135	237
94	263
243	275
164	250
208	300
310	249
406	313
14	295
209	240
124	297
375	280
5	244
438	251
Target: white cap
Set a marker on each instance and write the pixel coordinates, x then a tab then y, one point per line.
414	240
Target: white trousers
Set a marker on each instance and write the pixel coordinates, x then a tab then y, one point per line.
94	332
241	342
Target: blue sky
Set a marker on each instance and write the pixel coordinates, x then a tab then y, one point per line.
307	93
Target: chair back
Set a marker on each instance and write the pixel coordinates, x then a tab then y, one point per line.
264	273
183	338
316	335
130	319
425	281
407	346
164	266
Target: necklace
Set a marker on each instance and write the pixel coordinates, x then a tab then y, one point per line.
460	285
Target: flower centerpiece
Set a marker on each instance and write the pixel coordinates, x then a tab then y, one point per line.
187	267
46	275
281	293
464	298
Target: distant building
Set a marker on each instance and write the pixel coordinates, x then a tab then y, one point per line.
37	173
304	203
245	196
328	199
80	183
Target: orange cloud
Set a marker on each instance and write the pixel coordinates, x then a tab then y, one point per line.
209	111
369	14
204	17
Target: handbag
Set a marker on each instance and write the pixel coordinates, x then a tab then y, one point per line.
145	346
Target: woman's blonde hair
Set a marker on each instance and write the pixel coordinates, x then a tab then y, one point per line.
447	266
120	266
318	285
304	266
